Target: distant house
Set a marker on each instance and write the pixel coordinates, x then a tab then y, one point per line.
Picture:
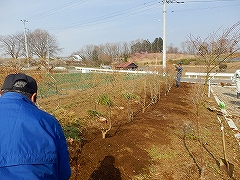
127	66
77	57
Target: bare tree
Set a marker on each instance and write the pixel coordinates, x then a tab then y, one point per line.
187	47
216	49
172	49
12	45
44	46
126	50
41	43
213	50
117	51
90	54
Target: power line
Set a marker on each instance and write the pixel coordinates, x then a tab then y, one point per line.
197	9
58	9
116	15
209	1
113	16
130	12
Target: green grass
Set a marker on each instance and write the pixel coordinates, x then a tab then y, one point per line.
157	153
60	83
72	131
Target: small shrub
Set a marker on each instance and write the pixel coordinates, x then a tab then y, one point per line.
222	67
128	95
69	122
94	113
105	100
72	131
65	117
185	61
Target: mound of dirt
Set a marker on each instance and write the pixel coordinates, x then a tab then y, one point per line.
167	142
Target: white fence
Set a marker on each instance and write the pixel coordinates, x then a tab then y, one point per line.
212	75
99	70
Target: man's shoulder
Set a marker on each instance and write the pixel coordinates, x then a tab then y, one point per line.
45	114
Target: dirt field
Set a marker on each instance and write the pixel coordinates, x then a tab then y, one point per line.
166	142
161	144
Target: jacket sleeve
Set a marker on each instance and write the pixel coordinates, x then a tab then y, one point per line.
64	170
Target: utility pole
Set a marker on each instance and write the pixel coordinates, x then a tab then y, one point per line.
25	37
164	32
164	37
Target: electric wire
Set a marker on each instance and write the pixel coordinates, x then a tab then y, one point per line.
119	15
113	16
216	7
57	10
210	1
116	15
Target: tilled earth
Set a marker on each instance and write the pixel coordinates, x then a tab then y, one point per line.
168	141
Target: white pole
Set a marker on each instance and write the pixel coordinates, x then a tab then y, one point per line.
164	36
25	37
209	86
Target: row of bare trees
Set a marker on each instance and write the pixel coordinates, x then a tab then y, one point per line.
40	44
117	52
215	49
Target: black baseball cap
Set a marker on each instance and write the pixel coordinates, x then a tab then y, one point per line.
27	84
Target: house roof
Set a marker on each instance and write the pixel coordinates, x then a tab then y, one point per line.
126	65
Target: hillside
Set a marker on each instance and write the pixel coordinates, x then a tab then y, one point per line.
153	60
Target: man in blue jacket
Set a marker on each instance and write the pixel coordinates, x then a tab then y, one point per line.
179	73
32	143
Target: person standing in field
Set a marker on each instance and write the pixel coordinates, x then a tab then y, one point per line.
236	79
32	146
179	73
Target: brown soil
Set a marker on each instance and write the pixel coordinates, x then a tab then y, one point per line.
162	143
167	142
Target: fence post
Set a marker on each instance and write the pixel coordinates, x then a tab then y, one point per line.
209	86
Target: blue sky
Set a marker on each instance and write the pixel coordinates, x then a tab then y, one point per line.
76	23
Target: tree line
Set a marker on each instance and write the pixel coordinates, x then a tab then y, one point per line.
41	44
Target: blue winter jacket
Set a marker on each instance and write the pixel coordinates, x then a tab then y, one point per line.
32	143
